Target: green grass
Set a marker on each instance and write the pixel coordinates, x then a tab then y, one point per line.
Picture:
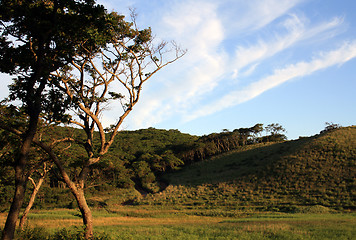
318	170
155	223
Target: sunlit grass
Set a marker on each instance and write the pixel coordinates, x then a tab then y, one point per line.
154	223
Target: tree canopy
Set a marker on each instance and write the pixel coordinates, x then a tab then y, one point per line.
36	38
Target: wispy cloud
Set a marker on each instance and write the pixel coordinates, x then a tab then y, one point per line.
203	27
324	60
197	27
255	14
297	31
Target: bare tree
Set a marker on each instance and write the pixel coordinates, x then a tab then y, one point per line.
116	73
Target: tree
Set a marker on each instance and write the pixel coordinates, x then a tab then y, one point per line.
95	79
36	188
276	132
36	38
275	128
330	126
244	134
257	129
15	120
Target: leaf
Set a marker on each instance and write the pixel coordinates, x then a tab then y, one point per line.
115	95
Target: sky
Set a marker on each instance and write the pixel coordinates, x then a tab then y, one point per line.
291	62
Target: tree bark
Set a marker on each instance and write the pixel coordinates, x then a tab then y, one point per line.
32	200
86	213
11	221
76	188
20	187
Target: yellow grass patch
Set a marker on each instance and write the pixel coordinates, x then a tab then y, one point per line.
2	219
120	220
54	223
128	221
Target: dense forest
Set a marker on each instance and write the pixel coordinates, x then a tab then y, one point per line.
137	159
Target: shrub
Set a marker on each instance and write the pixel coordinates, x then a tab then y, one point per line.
315	209
38	233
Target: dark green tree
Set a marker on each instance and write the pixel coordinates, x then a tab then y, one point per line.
15	121
276	132
257	129
245	133
275	128
36	38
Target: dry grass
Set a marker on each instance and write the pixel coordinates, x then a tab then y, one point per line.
112	220
134	221
2	218
137	223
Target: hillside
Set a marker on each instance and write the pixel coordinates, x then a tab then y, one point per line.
136	160
318	170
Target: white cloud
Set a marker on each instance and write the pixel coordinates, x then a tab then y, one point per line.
203	29
297	31
197	27
6	80
326	59
255	14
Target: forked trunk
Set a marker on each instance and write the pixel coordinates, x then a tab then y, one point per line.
30	203
77	189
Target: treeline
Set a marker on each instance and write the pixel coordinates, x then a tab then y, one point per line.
217	143
136	159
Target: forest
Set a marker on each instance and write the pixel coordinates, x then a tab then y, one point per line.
137	159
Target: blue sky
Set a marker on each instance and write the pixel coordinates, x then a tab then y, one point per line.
291	62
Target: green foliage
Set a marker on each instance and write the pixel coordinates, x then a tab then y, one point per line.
38	233
33	234
39	37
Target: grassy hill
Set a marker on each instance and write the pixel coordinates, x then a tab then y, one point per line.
318	170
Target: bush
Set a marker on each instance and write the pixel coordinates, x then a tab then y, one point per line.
315	209
38	233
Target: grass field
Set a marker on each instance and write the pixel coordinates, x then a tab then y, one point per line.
153	223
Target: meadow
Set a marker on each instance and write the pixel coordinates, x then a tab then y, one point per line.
152	222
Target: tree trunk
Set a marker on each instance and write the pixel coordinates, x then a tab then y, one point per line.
32	200
77	190
11	221
86	213
20	188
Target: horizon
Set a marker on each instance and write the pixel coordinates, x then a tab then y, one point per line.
289	62
286	62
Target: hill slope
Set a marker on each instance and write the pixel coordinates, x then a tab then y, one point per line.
314	170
